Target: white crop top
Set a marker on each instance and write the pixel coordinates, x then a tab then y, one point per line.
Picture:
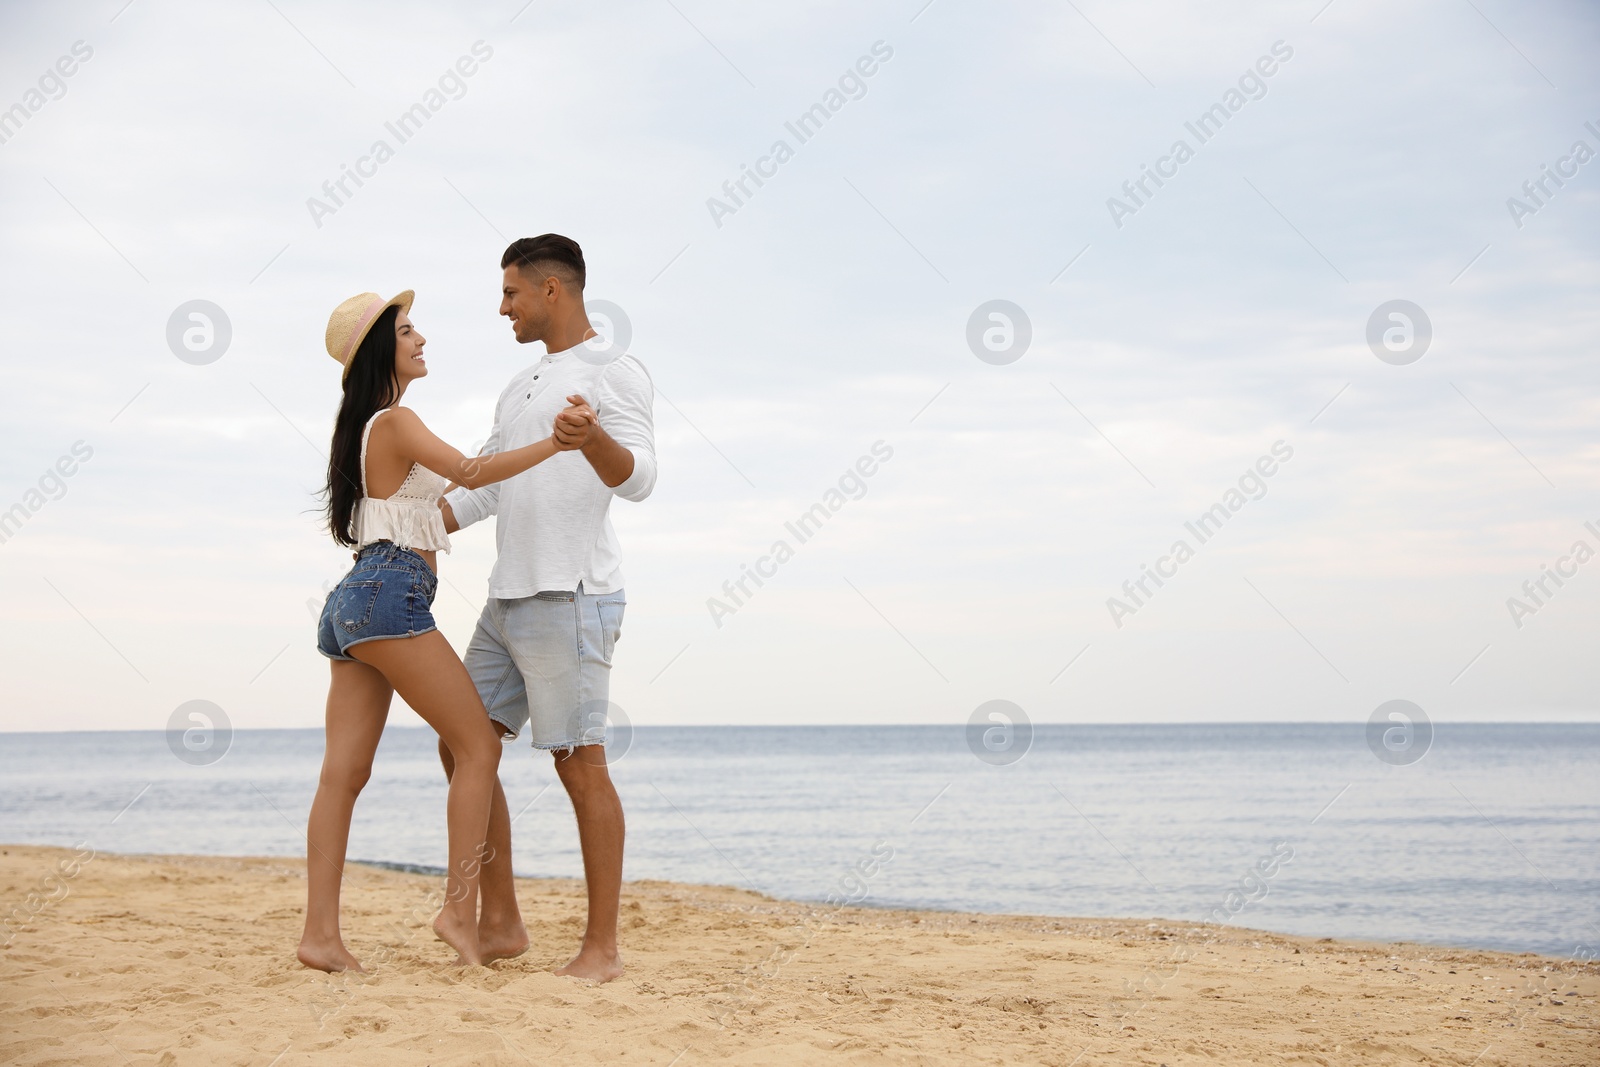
411	517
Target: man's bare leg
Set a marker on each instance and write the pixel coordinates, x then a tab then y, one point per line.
600	832
501	935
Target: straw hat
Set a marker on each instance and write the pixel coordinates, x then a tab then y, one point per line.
350	321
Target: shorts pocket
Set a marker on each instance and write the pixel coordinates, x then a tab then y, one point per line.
352	610
610	624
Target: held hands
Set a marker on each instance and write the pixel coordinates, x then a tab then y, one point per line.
575	425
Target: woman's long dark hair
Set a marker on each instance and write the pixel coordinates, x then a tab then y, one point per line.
368	388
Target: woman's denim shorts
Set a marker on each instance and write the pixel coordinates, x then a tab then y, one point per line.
387	594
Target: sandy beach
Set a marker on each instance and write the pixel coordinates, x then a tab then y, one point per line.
190	960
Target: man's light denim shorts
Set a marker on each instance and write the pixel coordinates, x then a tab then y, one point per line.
544	661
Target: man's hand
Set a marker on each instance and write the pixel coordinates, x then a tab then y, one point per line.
575	425
578	428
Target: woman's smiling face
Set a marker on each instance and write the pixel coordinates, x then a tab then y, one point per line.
408	361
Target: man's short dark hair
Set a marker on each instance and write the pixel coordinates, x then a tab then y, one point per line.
546	255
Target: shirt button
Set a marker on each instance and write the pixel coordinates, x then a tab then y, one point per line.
535	378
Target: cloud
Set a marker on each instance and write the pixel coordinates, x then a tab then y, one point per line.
824	315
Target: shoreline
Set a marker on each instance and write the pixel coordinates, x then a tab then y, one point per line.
428	871
190	959
425	870
1578	718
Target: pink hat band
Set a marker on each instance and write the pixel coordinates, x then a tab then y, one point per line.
377	305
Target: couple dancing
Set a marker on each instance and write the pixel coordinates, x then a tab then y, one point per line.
570	432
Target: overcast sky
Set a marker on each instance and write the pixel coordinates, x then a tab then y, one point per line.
1178	335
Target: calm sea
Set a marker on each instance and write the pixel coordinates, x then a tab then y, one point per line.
1491	840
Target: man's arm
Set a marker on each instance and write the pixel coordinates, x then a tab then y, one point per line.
621	445
463	507
610	460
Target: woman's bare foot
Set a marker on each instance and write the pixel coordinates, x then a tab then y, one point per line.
461	936
330	956
502	944
593	965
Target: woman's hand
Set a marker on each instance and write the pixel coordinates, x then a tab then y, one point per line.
574	424
403	431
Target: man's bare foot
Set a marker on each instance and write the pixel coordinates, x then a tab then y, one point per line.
461	936
502	944
593	965
330	956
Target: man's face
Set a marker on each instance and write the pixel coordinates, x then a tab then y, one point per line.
526	303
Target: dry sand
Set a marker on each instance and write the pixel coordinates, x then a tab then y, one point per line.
180	960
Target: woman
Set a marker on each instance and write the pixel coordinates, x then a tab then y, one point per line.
386	472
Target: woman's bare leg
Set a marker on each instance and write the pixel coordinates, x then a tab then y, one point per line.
358	706
428	675
501	935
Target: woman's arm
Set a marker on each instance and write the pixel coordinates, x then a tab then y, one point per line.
418	444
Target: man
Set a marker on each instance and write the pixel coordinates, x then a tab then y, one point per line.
541	655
